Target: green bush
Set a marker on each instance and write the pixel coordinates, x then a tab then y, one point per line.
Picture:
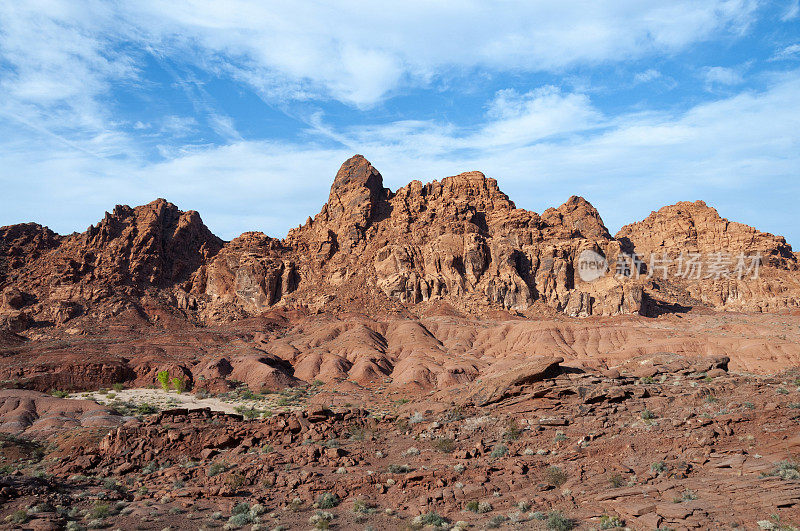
163	379
179	384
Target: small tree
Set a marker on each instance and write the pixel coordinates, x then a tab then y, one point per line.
163	379
179	384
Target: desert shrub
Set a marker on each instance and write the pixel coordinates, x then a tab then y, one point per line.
215	469
616	481
513	431
484	507
453	415
240	519
326	500
472	506
295	505
648	415
416	418
59	394
498	451
560	437
332	443
555	476
248	412
433	519
496	521
321	519
163	379
100	510
558	522
413	450
659	467
362	507
610	522
118	387
398	469
786	470
18	517
357	433
241	508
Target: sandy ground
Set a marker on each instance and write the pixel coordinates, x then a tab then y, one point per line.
161	399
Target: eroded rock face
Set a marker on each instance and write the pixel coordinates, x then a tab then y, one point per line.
109	267
459	242
722	281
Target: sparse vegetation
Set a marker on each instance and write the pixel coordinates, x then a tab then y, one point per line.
786	470
444	445
179	384
616	481
558	522
513	431
648	415
658	467
215	469
326	500
499	450
554	476
59	394
611	522
146	409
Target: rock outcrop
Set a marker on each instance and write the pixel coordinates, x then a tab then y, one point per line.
711	260
459	243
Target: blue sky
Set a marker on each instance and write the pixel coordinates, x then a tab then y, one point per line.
244	110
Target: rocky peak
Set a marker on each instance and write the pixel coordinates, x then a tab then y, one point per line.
155	243
356	190
578	216
695	227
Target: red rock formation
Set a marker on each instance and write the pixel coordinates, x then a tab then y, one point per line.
726	251
460	242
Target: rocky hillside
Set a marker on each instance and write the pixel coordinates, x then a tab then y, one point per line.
456	245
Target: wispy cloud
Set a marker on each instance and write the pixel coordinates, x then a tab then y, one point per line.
720	75
789	52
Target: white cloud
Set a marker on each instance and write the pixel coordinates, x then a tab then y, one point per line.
350	51
647	76
722	76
